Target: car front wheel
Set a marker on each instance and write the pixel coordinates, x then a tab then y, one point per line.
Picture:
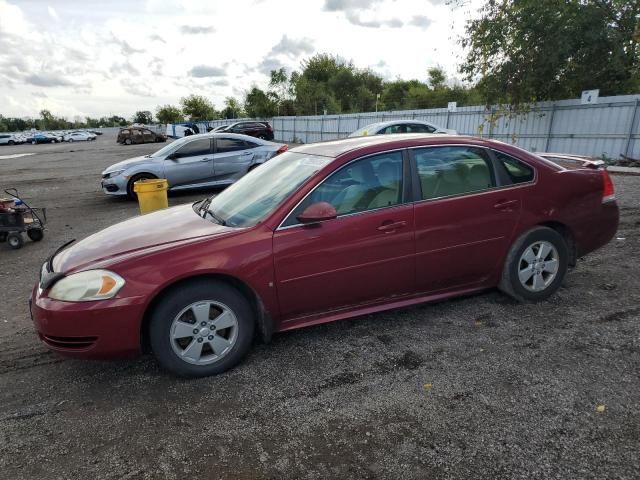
535	265
201	328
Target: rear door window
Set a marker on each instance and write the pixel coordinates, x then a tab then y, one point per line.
449	171
225	145
420	128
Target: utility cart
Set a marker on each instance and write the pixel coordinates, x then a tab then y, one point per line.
16	218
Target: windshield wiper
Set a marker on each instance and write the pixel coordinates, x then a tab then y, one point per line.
203	210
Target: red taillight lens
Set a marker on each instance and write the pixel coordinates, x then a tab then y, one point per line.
282	149
608	193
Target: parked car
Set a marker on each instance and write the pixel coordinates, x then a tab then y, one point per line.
79	136
321	233
135	135
400	126
43	138
254	129
196	161
9	139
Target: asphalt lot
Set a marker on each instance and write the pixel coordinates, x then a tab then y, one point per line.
478	387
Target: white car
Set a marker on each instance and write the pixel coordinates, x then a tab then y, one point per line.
401	126
9	139
79	137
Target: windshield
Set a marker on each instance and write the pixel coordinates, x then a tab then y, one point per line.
257	194
169	147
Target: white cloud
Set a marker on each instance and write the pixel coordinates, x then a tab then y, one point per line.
96	61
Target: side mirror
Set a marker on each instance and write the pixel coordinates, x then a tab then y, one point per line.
172	156
317	212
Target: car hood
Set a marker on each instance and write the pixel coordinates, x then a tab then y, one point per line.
127	163
136	236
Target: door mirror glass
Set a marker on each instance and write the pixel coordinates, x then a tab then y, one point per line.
317	212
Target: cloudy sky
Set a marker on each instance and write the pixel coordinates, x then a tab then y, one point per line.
79	58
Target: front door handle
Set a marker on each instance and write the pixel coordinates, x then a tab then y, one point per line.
206	160
506	205
389	227
246	153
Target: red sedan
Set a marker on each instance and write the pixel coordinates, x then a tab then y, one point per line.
323	232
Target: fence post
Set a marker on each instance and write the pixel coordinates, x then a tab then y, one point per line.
550	130
294	129
339	117
627	148
447	123
322	128
359	118
306	133
491	122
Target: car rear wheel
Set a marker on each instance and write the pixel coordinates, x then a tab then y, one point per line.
141	176
71	140
11	142
127	141
201	328
15	240
535	266
262	136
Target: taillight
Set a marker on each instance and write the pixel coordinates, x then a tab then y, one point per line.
608	193
282	149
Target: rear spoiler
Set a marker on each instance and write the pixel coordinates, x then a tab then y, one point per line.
579	160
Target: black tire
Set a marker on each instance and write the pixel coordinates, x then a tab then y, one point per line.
510	282
11	142
15	240
35	234
127	141
53	141
70	140
262	136
181	297
140	176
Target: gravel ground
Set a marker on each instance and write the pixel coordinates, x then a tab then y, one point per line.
478	387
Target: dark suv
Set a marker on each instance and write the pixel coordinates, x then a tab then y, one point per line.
254	129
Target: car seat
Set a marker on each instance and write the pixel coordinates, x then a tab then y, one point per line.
389	191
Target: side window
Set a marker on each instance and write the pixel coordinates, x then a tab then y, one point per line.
125	132
515	170
249	145
225	145
402	128
367	184
446	171
199	147
420	128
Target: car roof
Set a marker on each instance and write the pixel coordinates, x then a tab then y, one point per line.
397	122
213	134
375	143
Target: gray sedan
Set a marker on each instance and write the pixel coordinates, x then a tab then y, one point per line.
401	126
206	160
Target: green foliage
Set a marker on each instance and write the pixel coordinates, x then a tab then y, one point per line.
259	104
169	114
523	51
197	107
232	109
143	116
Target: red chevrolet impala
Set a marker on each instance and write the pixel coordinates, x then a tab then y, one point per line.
323	232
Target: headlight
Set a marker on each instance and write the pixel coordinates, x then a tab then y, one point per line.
112	174
87	286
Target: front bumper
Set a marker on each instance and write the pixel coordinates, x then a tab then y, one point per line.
114	186
104	329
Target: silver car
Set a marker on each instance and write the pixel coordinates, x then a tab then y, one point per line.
205	160
401	126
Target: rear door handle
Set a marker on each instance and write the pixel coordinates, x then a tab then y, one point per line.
389	227
247	153
506	205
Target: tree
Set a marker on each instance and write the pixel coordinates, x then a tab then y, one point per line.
169	114
437	78
197	107
232	109
529	50
143	116
259	104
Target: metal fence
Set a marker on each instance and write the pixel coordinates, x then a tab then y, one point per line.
609	128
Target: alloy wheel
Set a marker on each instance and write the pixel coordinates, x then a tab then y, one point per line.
204	332
538	266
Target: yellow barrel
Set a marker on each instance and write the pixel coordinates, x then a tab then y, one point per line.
152	194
